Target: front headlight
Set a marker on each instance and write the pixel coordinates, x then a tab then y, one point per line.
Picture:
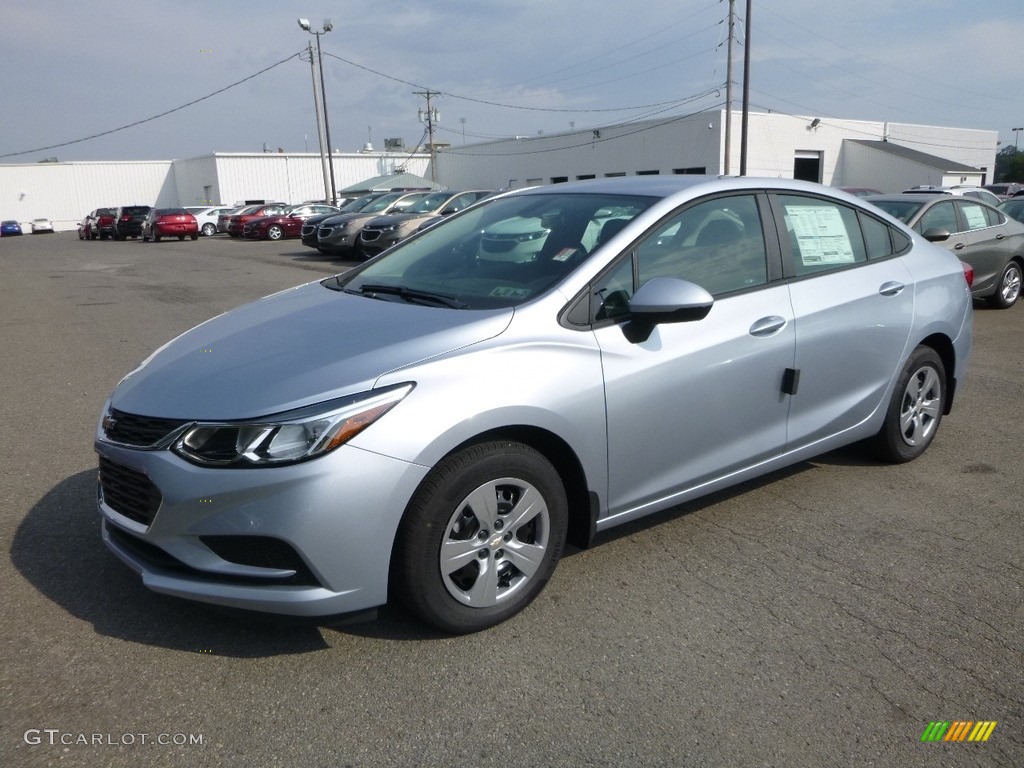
288	437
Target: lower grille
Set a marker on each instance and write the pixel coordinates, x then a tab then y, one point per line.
129	492
369	235
261	552
161	559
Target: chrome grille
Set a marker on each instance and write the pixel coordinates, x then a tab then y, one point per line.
140	431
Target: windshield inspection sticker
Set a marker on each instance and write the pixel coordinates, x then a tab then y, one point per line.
508	292
821	234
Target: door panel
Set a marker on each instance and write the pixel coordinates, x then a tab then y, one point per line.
696	400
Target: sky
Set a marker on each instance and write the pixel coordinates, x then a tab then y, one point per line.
70	71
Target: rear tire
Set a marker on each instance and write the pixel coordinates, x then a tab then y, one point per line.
915	411
481	537
1008	287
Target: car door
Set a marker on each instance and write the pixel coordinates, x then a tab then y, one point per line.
985	245
696	400
853	314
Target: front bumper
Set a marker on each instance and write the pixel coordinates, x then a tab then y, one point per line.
310	539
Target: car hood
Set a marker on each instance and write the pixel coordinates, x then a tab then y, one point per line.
295	348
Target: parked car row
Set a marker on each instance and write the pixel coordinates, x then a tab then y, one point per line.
373	223
12	227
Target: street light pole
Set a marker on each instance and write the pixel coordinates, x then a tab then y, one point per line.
327	27
1016	135
319	124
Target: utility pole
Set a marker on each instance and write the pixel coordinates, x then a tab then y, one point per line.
746	94
728	87
430	117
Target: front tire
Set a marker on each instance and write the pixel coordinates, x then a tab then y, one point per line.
1008	287
209	230
274	232
915	411
481	537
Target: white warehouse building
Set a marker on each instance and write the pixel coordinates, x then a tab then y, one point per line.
848	153
886	156
65	192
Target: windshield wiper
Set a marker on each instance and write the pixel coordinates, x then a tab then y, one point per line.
412	295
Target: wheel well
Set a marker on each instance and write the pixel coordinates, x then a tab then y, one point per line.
582	502
944	348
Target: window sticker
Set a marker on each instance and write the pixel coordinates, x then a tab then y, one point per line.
975	215
564	255
508	292
821	234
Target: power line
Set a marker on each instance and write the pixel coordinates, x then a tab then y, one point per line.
494	103
155	117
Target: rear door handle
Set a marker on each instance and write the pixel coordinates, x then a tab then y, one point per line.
892	288
959	246
768	326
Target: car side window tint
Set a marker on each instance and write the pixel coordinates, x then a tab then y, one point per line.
717	244
877	242
974	215
939	216
822	234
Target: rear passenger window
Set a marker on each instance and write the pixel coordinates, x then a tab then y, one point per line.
876	238
974	215
822	235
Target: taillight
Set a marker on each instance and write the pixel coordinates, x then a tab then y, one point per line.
968	274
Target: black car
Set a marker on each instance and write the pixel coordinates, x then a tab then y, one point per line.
128	221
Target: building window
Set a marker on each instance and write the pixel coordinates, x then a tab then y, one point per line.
694	171
647	173
585	176
559	179
613	175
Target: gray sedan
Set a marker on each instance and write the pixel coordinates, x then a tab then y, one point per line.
989	241
437	423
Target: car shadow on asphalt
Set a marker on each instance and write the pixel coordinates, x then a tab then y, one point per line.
59	550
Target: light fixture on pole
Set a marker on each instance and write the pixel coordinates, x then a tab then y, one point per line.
327	27
1016	134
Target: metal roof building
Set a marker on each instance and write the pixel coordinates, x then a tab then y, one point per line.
827	150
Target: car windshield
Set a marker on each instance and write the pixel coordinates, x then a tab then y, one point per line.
358	204
499	254
903	210
430	203
383	202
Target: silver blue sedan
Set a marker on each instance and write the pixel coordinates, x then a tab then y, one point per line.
434	425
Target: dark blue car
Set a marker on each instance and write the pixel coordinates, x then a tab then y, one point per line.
9	227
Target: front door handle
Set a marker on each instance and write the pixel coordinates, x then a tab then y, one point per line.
768	326
892	288
959	246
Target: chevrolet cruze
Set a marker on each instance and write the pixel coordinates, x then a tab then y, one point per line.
435	424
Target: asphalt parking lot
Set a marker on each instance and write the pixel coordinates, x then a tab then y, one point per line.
822	616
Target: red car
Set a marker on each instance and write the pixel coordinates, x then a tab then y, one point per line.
238	220
287	224
169	222
99	224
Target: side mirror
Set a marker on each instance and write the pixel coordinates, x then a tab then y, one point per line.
665	300
936	235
